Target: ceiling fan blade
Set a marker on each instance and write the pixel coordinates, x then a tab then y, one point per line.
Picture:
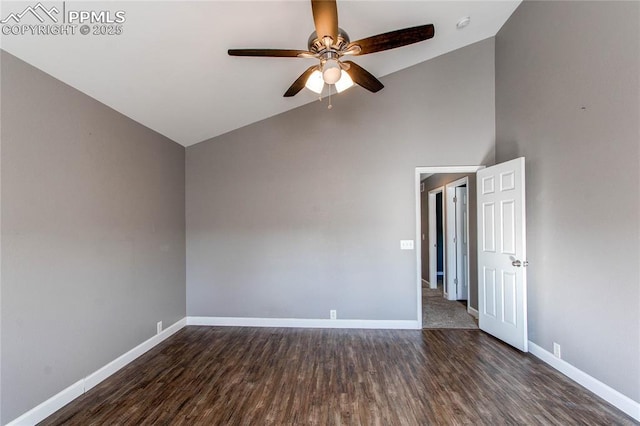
277	53
363	77
300	82
325	17
393	39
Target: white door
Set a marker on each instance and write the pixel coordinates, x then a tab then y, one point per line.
450	285
462	243
502	278
454	240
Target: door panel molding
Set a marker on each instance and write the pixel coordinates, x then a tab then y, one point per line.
502	304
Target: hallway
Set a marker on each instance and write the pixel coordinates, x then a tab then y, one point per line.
438	312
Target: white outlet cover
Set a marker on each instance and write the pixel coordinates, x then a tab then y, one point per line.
406	245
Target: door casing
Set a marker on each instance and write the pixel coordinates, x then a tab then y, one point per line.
420	171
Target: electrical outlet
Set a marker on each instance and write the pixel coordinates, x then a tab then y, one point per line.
556	350
159	327
406	244
333	314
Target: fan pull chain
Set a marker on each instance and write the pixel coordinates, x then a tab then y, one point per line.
320	97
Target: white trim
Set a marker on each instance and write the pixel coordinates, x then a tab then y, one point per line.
612	396
0	290
50	406
448	169
419	171
304	323
62	398
418	196
472	312
451	255
99	375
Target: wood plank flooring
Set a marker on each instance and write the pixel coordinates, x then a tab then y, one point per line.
261	376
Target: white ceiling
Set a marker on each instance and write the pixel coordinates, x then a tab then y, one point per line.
170	71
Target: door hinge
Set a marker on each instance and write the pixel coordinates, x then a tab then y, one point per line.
455	199
455	281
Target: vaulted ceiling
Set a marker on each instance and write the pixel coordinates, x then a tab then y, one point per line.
170	71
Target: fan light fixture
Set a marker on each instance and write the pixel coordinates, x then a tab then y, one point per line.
315	82
344	83
331	71
329	43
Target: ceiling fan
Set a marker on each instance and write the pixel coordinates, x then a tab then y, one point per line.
329	43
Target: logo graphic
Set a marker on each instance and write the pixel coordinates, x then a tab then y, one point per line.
50	22
33	10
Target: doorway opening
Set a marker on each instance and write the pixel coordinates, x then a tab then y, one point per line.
446	274
433	269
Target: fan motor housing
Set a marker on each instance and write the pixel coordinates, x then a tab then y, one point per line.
317	46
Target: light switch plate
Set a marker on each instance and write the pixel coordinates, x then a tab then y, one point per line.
406	244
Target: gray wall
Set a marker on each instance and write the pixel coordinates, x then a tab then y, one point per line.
92	231
583	214
304	212
436	181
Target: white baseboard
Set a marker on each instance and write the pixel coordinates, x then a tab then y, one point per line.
98	376
62	398
612	396
431	286
472	312
50	406
304	323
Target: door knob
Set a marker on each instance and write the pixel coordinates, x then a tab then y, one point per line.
518	263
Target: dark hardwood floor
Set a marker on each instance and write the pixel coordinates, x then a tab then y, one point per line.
259	376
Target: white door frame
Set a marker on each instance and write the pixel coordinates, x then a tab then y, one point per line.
467	254
451	257
419	171
433	237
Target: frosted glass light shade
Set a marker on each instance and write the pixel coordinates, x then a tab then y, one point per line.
344	83
315	83
331	71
